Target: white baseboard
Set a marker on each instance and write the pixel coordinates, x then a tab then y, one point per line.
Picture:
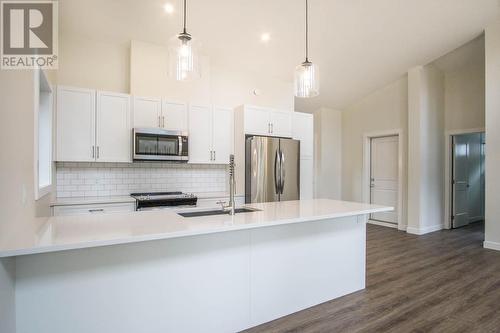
383	224
423	231
491	245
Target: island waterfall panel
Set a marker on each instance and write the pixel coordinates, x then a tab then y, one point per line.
221	282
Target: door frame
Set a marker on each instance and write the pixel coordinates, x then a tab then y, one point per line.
448	169
367	137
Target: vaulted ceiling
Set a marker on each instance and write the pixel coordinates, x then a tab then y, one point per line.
359	45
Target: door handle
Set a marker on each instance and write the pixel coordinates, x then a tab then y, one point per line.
93	151
272	128
159	121
282	172
163	121
97	151
215	155
276	175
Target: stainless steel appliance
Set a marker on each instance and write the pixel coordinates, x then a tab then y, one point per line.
272	169
157	200
154	144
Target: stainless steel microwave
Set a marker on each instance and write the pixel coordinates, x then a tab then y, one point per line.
155	144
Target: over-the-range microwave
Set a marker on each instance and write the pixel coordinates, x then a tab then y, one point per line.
155	144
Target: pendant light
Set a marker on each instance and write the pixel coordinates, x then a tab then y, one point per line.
184	62
306	81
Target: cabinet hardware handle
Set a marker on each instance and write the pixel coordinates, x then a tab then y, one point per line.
96	210
215	155
97	151
269	128
272	128
93	149
159	121
163	121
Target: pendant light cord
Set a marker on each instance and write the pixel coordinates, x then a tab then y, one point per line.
185	16
307	31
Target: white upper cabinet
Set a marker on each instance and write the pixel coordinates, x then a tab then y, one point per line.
76	112
257	121
93	126
281	123
303	130
267	122
210	134
113	131
147	112
200	134
174	116
222	143
150	112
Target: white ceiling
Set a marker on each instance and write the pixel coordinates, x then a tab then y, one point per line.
359	45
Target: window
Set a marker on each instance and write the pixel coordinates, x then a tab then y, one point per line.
43	134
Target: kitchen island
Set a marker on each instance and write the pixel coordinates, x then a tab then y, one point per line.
156	271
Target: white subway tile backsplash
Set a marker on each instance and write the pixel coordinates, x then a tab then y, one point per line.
106	179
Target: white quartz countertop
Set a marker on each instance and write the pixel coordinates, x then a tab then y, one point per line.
83	231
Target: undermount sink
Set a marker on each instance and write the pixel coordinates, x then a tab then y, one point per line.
217	212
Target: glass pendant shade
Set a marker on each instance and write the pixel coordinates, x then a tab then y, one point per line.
184	61
306	83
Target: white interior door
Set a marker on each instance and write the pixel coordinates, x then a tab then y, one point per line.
460	181
114	134
222	134
384	177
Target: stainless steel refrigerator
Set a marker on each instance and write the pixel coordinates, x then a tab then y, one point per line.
272	169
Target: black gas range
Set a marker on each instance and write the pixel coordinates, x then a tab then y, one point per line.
156	200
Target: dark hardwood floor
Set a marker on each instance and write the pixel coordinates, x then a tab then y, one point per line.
440	282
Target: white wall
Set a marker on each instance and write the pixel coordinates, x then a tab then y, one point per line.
89	63
425	149
219	84
7	296
464	87
492	46
384	110
20	214
140	68
327	153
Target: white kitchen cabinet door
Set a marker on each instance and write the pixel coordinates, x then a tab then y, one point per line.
222	134
174	116
200	134
75	124
306	178
303	130
281	123
147	112
257	121
114	133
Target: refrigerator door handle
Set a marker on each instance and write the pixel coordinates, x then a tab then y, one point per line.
277	165
282	172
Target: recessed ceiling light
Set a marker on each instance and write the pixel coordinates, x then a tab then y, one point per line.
169	8
265	37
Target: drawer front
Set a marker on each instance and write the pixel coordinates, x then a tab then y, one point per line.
94	209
